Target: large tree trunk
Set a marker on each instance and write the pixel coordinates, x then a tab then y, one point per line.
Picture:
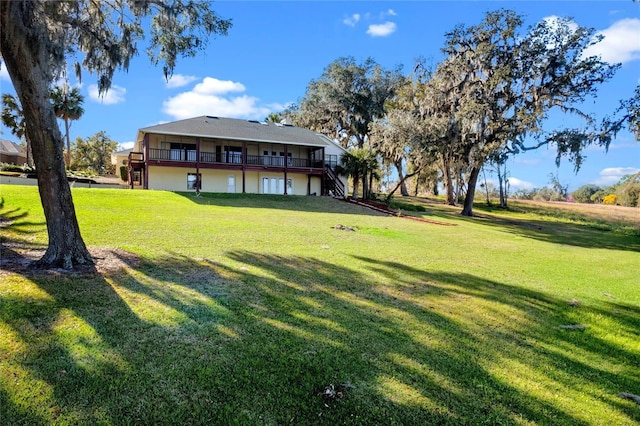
503	201
356	184
365	185
467	209
68	156
403	183
447	180
29	152
22	44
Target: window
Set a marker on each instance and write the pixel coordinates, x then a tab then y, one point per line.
233	154
194	181
182	151
276	186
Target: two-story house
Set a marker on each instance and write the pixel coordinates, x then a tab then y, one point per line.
215	154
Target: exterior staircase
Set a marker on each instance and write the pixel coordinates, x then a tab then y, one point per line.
136	168
332	184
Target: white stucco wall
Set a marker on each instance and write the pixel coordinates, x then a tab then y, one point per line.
175	179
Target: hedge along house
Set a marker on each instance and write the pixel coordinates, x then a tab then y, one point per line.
215	154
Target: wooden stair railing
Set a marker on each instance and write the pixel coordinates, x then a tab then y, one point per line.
333	183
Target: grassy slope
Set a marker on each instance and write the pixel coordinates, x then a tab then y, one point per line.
244	308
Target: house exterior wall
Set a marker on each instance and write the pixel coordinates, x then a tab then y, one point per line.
212	180
168	161
17	159
168	178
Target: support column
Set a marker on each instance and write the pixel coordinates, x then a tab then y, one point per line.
244	165
198	183
145	142
286	163
323	178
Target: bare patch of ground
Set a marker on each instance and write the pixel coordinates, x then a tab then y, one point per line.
18	258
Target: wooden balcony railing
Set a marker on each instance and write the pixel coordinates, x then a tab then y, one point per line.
231	158
136	157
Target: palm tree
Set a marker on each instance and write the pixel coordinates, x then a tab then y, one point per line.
273	117
13	119
358	164
67	105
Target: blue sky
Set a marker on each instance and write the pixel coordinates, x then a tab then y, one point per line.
274	50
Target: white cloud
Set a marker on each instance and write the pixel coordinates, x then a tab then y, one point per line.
277	107
115	95
352	20
179	80
212	97
515	184
391	12
555	24
126	145
382	30
612	175
620	43
554	21
213	86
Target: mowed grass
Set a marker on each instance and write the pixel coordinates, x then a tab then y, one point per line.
246	309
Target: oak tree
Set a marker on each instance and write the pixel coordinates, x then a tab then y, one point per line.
345	100
37	41
506	83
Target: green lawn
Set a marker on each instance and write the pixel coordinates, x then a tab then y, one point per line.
232	309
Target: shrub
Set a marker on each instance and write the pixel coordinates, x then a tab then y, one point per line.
124	173
629	194
407	206
11	168
548	194
598	196
610	199
584	193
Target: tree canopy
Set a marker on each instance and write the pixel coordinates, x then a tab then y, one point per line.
494	90
346	98
38	40
93	153
67	105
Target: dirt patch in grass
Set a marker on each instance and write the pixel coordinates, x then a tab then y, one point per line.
18	258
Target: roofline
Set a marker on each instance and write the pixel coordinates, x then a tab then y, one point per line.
143	131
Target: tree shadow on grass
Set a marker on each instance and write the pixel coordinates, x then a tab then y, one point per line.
280	202
16	220
579	235
181	341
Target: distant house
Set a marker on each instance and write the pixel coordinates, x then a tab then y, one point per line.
12	153
119	159
215	154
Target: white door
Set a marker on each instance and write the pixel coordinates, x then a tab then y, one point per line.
231	186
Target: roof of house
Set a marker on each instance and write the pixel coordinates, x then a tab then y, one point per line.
123	152
11	148
236	129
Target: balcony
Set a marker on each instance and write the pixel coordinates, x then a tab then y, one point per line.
232	158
